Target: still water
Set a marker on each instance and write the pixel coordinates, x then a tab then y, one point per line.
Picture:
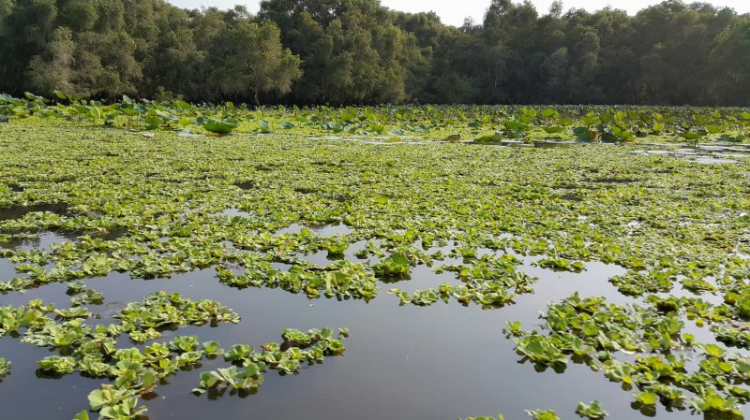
401	362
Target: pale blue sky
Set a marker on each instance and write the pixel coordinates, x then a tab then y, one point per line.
453	12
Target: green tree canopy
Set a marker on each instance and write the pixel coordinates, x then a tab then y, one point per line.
357	52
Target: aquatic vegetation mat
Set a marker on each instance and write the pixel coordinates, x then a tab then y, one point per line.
129	261
541	126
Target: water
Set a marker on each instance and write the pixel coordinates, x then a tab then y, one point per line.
17	212
327	230
188	134
236	213
445	361
704	154
42	241
7	270
401	362
713	161
441	362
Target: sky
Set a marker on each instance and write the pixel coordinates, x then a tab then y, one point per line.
453	12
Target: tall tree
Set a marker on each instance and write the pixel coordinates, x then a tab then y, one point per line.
351	50
248	59
730	62
54	69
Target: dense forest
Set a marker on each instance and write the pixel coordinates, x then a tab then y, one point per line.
359	52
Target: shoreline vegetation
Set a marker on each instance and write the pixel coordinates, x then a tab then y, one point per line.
357	52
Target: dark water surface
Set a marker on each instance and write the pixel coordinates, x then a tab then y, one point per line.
401	362
16	212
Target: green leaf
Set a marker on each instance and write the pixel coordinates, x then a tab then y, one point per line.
98	398
553	130
265	127
691	136
591	411
152	122
647	398
400	259
542	414
219	127
584	134
83	415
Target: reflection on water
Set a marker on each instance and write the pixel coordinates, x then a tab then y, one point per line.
713	161
705	154
43	241
236	213
17	212
188	134
327	230
7	270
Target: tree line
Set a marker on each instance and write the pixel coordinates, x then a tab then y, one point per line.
359	52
